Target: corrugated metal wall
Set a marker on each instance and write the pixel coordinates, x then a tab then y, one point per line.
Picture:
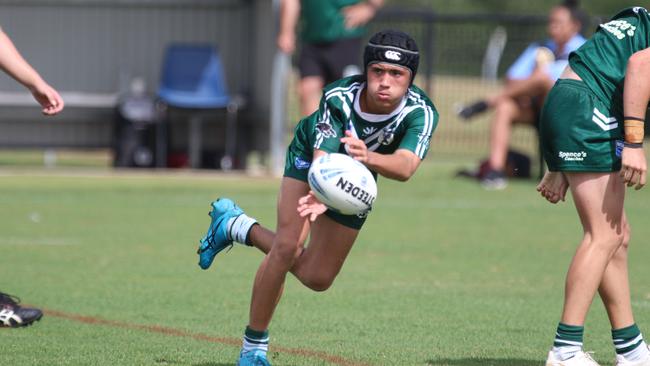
93	46
96	46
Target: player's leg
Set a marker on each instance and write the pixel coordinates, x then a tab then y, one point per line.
614	290
507	111
269	281
310	88
329	245
286	246
312	78
598	199
317	265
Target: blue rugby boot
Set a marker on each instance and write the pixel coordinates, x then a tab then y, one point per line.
216	239
253	358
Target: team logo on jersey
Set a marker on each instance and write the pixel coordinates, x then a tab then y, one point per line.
604	122
368	131
393	55
301	163
619	28
386	136
326	130
637	9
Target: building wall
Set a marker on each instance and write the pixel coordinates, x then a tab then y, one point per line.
97	46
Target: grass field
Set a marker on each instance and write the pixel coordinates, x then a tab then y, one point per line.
444	273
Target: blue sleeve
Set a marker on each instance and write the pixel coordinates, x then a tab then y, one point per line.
524	66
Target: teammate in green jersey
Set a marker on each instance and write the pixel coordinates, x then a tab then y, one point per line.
592	136
380	119
330	33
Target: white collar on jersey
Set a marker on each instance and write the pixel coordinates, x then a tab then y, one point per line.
375	117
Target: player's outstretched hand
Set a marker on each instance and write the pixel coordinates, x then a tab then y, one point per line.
633	167
553	187
48	98
310	206
356	148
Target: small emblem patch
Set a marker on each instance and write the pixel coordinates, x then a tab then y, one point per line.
326	130
301	163
393	55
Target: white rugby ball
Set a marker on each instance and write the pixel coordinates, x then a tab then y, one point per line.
343	184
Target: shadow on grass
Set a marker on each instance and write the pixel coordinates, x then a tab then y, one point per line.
483	362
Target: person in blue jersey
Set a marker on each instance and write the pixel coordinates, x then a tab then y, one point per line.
528	81
380	119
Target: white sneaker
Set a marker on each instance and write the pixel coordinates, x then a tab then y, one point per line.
621	361
580	359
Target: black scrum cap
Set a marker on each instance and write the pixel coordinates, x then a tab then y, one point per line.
393	47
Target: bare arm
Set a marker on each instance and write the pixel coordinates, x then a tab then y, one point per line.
12	63
400	165
636	96
289	13
361	13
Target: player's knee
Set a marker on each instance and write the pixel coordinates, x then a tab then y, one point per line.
608	242
284	252
505	106
319	283
626	235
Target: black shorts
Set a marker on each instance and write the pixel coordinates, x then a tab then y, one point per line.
330	60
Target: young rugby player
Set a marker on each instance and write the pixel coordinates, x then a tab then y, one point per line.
382	120
592	136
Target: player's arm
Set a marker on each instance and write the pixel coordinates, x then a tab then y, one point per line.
12	63
400	165
361	13
636	96
289	13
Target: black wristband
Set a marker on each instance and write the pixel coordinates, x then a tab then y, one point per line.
633	145
635	118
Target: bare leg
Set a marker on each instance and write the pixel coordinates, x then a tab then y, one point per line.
315	266
599	201
615	288
553	186
269	281
538	84
310	88
507	111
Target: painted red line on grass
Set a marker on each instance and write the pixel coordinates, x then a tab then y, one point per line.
198	336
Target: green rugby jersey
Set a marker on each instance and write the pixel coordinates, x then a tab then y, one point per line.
602	61
323	21
408	127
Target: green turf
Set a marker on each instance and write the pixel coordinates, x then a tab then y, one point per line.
444	273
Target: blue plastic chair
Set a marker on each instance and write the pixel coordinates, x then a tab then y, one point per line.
193	78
